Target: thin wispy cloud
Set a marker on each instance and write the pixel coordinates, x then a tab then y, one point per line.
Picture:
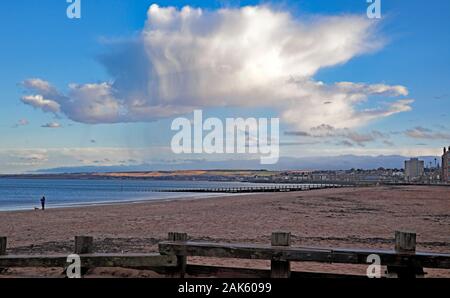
426	133
51	125
20	159
21	122
345	143
347	137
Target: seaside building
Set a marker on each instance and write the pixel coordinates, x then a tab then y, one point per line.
445	177
414	169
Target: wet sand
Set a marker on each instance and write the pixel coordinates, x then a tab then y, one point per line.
348	217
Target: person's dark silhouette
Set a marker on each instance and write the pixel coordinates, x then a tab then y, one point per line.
43	203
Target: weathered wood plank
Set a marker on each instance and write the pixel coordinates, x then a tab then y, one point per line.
91	260
244	251
267	252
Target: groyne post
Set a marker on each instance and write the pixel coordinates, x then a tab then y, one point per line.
83	245
3	242
181	258
405	244
280	268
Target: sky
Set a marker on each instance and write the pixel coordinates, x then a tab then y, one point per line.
104	89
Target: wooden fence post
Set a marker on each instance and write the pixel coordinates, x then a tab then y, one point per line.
84	245
405	243
280	268
3	242
181	259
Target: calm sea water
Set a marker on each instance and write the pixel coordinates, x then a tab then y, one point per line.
24	194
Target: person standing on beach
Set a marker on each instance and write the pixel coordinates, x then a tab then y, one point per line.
43	202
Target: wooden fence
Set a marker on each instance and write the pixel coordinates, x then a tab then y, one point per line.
403	261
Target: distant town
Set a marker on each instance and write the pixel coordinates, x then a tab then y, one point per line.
415	171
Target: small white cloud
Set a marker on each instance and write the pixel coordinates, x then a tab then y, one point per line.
51	125
40	86
38	101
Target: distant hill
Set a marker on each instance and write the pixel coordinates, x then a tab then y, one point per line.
342	162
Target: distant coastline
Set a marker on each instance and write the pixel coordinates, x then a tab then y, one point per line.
156	175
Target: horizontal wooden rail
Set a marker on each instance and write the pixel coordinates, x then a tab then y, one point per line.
401	262
302	254
91	260
84	248
171	260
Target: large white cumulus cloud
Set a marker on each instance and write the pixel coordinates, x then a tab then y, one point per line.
248	57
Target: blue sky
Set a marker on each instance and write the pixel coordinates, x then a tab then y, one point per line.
411	48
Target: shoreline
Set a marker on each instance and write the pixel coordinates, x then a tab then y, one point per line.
341	217
196	196
327	208
114	193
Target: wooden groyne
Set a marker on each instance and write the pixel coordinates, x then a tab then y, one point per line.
402	261
253	189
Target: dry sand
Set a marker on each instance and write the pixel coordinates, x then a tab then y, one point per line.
349	217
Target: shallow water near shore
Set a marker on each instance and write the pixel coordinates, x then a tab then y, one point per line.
24	194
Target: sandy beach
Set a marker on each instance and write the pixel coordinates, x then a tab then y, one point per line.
348	217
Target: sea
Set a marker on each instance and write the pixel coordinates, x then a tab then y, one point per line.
25	194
